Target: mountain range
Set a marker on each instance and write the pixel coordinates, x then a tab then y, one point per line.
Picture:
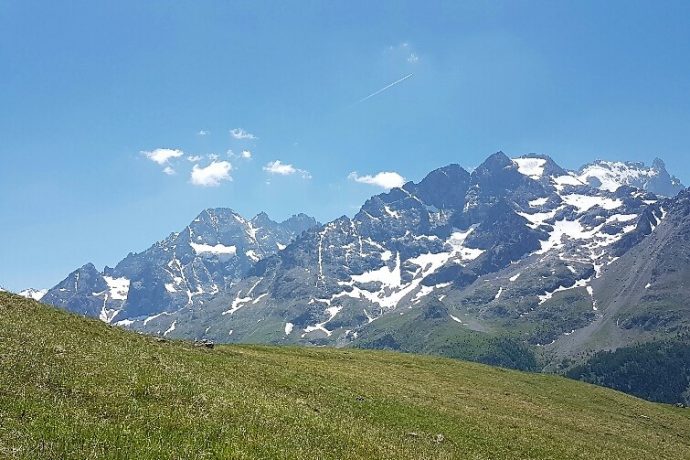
520	263
185	270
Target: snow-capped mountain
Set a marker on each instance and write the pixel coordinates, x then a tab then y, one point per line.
36	294
519	250
610	175
186	269
515	247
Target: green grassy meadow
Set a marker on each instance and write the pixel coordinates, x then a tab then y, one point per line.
75	388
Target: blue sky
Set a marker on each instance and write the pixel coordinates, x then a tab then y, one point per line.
87	86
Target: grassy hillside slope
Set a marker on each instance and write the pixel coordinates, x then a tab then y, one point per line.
74	388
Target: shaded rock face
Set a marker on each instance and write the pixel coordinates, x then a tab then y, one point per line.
185	269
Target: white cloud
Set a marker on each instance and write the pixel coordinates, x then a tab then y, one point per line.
412	58
384	179
239	133
203	132
246	154
283	169
213	157
162	156
194	158
211	175
169	170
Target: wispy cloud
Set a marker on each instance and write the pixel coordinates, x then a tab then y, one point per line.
244	154
404	50
194	158
162	156
169	170
241	134
375	93
211	175
284	169
203	132
384	179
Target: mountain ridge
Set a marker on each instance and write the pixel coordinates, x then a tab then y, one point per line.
185	268
512	256
409	242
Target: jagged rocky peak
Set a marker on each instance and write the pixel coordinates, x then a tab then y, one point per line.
610	175
444	187
263	219
497	178
213	219
496	161
298	223
85	277
498	171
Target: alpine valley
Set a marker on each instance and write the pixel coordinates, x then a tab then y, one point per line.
519	263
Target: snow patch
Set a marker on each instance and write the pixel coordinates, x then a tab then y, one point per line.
423	292
531	167
538	202
585	202
549	295
218	249
332	312
390	212
239	302
118	287
170	329
124	322
568	180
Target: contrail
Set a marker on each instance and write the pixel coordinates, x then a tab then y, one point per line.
384	88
